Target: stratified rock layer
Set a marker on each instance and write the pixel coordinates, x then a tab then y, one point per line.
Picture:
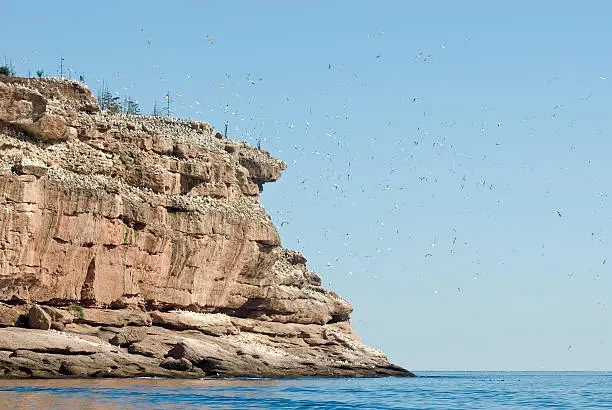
117	221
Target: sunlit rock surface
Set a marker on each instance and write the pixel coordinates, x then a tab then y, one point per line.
143	241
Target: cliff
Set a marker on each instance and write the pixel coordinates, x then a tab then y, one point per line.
135	245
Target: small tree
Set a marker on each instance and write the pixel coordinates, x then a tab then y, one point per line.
100	95
131	106
156	112
113	104
168	100
61	69
7	68
107	101
40	73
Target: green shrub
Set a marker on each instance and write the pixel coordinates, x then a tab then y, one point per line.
77	311
6	69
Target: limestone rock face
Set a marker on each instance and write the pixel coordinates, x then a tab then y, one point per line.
147	215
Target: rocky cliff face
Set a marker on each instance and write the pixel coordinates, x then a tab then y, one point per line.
141	240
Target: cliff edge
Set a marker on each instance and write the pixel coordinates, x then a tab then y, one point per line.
136	246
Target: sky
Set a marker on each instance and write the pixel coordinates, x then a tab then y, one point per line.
448	162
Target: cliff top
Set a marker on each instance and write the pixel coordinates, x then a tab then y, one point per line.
137	154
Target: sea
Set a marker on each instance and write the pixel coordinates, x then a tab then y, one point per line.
430	390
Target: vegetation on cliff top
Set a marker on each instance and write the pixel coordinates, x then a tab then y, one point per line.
109	101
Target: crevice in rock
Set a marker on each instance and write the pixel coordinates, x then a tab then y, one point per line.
209	367
265	248
297	259
340	317
175	210
58	302
59	351
136	225
188	183
25	370
259	183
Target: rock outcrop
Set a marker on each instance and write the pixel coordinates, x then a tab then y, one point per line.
141	244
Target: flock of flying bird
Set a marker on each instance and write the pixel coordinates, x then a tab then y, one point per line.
332	164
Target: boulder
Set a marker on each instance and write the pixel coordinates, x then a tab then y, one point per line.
10	315
210	357
128	335
59	315
128	301
69	368
38	318
59	326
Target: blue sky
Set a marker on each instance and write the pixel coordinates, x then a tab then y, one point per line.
448	162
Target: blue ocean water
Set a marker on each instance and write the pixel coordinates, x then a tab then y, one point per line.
431	390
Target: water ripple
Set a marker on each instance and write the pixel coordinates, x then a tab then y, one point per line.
433	390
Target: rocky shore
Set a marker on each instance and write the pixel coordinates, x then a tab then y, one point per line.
136	246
